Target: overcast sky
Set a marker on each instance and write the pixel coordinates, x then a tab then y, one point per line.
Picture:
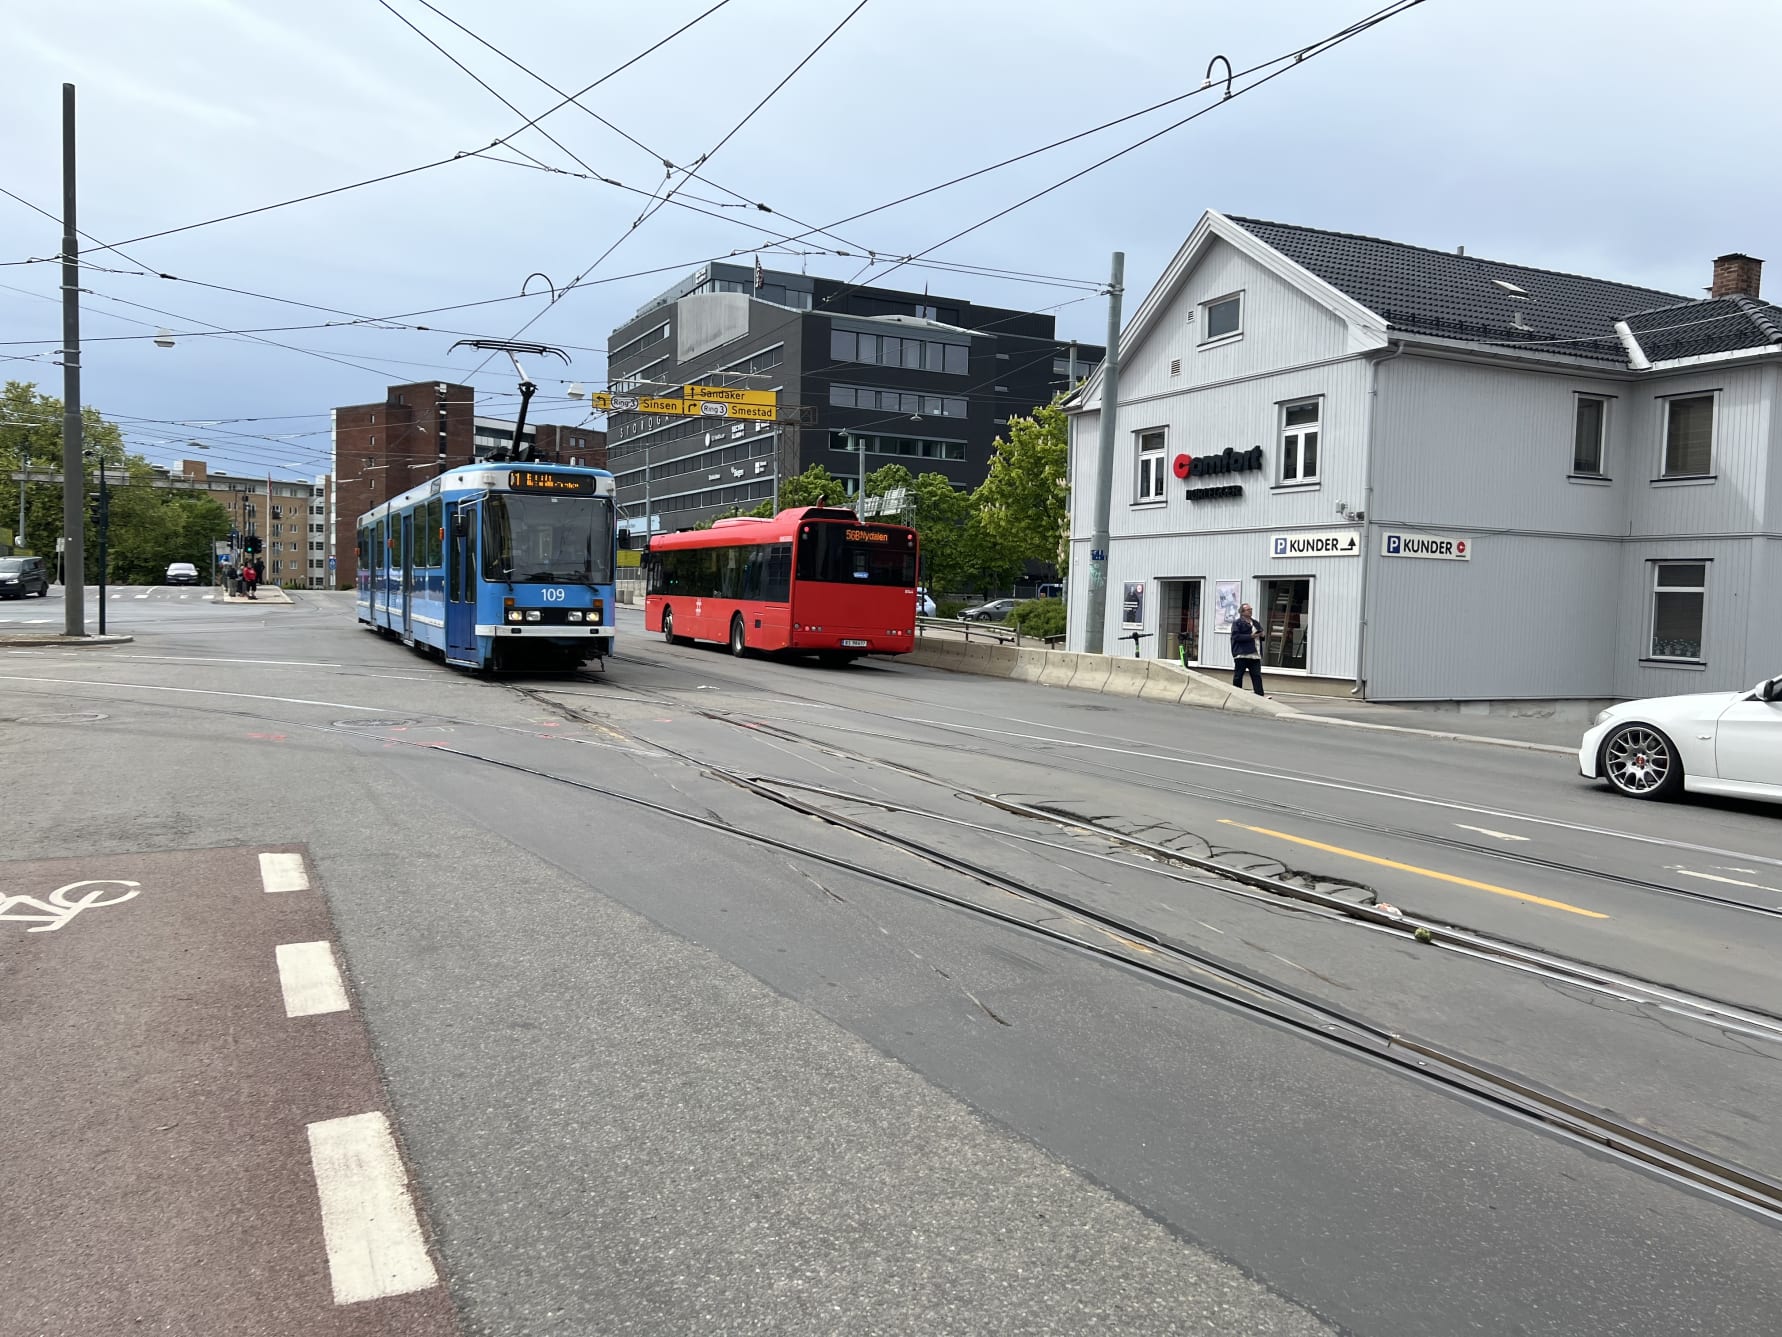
1628	139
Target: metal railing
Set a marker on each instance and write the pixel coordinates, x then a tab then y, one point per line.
994	632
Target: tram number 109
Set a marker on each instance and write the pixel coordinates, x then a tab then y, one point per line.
551	596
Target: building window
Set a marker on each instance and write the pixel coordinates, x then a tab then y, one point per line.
1150	467
1679	598
1689	437
1222	318
1588	435
1299	441
890	351
909	447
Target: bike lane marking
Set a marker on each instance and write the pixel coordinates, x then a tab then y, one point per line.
309	979
177	1101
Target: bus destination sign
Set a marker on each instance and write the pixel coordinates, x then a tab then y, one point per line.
868	536
527	480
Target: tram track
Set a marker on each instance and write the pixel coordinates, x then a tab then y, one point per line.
1155	956
1173	963
1237	798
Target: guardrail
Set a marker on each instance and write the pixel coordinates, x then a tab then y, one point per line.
996	633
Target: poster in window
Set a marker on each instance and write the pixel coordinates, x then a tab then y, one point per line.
1132	604
1227	596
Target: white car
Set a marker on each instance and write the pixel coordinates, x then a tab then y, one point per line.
924	604
1712	743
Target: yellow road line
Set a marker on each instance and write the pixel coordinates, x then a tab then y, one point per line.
1421	872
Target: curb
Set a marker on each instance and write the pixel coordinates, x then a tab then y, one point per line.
17	638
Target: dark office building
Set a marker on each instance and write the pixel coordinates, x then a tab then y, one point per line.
924	381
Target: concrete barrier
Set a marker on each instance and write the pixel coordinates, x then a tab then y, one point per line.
1060	668
1147	679
1029	665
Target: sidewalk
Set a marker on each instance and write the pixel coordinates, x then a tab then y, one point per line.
266	594
1528	729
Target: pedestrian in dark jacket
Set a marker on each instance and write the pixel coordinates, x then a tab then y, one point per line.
1246	649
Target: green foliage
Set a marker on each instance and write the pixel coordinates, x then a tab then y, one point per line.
149	526
1023	502
1038	617
950	607
816	486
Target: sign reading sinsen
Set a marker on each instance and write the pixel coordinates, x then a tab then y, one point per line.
1446	548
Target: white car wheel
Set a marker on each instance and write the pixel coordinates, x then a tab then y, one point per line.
1641	762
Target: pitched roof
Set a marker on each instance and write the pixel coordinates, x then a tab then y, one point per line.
1417	290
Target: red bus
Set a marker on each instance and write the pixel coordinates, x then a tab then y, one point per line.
815	579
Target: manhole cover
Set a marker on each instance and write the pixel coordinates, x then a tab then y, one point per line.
76	717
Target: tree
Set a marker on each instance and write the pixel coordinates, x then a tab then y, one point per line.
1023	502
816	486
150	526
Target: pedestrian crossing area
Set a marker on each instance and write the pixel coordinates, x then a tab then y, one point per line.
48	612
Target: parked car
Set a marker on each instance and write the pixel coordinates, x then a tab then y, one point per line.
994	611
1708	743
1051	591
20	577
924	604
182	573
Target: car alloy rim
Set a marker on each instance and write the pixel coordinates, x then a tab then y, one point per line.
1639	760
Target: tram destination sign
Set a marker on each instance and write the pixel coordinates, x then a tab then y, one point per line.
529	480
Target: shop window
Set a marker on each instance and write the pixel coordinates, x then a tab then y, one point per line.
1286	616
1222	318
1679	600
1588	435
1689	437
1150	467
1299	441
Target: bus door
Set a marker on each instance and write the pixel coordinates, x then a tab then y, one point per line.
460	618
408	577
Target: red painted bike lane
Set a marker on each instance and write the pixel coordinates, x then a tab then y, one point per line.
197	1138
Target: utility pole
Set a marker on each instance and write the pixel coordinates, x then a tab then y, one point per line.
1104	468
18	537
74	478
649	523
776	468
860	496
104	534
1073	364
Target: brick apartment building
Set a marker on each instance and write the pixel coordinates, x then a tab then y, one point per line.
414	433
291	517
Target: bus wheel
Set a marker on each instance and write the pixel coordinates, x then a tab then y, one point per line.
739	640
668	626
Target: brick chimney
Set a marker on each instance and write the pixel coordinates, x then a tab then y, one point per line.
1736	275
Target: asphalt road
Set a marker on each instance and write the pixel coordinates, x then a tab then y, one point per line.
715	1065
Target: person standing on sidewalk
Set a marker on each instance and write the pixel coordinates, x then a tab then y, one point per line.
1246	649
251	578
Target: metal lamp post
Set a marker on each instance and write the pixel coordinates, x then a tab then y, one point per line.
104	531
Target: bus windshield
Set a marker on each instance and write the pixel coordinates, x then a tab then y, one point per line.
844	554
530	538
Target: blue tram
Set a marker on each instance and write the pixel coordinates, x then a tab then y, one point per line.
495	566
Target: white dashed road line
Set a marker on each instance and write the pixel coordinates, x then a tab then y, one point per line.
310	980
283	872
375	1247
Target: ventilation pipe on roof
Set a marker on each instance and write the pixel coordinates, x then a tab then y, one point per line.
1636	356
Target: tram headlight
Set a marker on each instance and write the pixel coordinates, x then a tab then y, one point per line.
513	615
575	615
532	615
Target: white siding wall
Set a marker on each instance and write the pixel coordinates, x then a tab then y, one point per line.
1557	599
1229	395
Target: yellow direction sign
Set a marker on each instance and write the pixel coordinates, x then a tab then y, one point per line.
749	409
728	394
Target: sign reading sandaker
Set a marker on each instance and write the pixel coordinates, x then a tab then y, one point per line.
1440	547
1318	543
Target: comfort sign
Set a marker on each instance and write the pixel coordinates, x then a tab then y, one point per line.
1444	548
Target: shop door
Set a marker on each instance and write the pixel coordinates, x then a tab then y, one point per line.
1286	623
1178	620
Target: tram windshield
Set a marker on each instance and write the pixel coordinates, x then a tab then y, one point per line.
532	538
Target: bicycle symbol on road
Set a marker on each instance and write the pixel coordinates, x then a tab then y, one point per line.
65	903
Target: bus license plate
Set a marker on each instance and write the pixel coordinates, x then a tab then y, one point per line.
853	645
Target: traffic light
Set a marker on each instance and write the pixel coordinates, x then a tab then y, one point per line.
251	545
